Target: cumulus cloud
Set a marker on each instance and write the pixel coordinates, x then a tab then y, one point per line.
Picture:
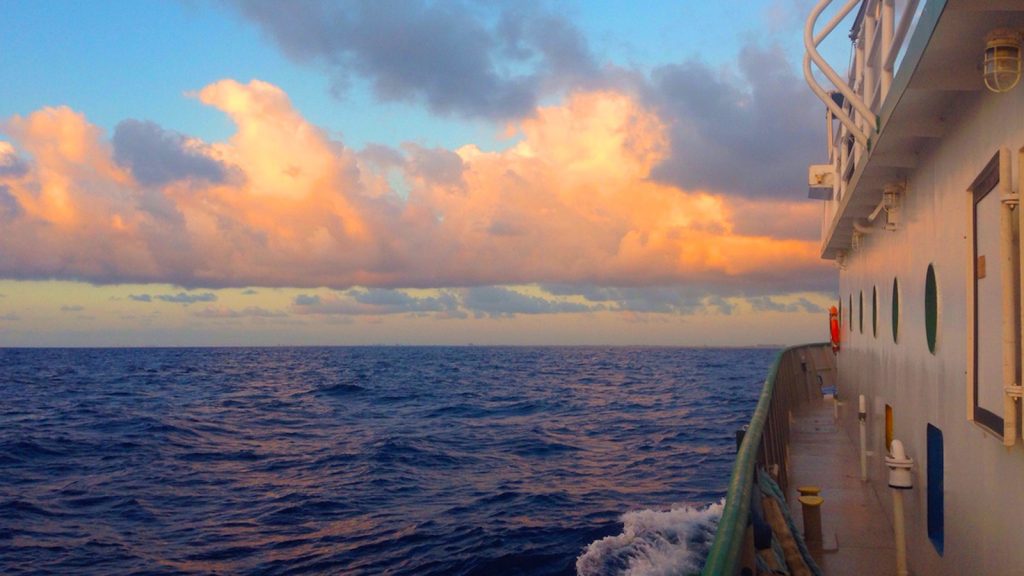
572	202
751	134
156	156
11	165
476	59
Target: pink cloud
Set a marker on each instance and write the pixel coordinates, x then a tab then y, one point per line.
572	202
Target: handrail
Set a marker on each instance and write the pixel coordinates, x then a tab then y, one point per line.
811	42
724	556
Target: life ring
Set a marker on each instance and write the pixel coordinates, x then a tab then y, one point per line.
833	321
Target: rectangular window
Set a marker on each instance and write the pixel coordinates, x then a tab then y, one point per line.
988	317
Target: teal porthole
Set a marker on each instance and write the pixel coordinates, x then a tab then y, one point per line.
874	311
895	310
849	311
860	312
931	308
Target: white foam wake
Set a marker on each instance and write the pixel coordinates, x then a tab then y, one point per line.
654	543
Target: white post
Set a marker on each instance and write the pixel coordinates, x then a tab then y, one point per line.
900	479
900	532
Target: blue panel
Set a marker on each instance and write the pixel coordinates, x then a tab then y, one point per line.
936	520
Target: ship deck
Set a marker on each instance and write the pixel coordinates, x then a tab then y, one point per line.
857	534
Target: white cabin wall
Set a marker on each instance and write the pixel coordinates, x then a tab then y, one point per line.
981	476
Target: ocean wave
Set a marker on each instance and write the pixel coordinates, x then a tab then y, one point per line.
654	543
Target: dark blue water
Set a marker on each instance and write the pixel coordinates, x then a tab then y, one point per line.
472	460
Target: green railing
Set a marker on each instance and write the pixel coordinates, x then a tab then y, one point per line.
796	376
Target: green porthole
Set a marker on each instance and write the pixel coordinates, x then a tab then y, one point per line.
895	310
849	311
860	312
874	311
931	308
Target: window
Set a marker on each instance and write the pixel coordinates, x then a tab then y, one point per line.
986	386
874	311
850	311
860	312
931	308
895	310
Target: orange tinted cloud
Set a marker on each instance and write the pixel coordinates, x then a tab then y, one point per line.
571	202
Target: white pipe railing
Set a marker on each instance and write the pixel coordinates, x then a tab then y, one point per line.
811	55
879	43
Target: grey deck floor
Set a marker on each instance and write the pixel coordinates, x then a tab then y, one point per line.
852	518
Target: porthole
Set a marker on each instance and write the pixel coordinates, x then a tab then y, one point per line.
860	312
931	308
874	311
849	313
895	310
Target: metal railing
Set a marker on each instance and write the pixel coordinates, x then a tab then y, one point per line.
879	38
796	377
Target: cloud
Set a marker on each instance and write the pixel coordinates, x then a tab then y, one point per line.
750	135
769	304
247	312
249	292
71	308
10	317
476	59
498	301
179	298
572	202
156	156
186	298
11	166
375	302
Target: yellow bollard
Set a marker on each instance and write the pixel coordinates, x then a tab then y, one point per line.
811	508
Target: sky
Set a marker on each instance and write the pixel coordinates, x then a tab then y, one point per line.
237	172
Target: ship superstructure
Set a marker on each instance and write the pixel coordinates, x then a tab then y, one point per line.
921	213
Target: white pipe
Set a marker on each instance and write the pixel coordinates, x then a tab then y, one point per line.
888	19
810	45
1009	281
1020	251
874	213
869	62
900	479
862	229
900	533
862	415
901	33
825	97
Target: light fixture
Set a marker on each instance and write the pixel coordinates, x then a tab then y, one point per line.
1002	60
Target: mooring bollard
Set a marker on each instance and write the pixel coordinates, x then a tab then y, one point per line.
810	506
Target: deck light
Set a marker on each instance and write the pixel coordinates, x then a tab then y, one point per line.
1002	60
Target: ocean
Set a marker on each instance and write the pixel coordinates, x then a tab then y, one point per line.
368	460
